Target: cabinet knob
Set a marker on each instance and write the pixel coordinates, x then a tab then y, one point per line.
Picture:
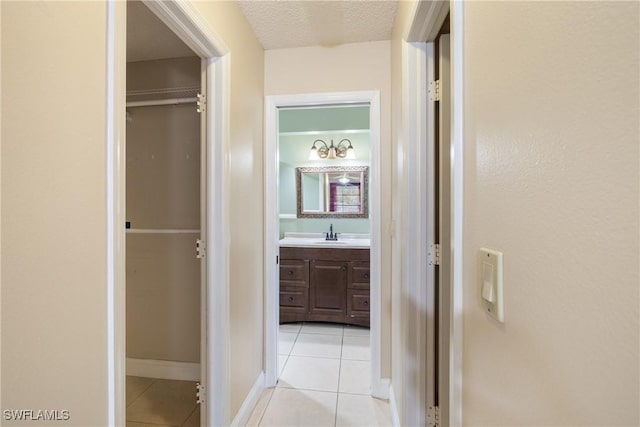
366	275
290	273
343	268
290	299
365	302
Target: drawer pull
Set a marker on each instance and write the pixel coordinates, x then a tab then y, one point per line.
290	299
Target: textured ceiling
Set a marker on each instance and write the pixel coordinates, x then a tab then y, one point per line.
285	24
149	38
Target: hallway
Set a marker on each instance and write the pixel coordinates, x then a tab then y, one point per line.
324	380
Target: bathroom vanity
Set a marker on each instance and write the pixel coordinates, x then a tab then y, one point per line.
325	281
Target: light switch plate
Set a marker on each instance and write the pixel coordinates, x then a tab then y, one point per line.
490	280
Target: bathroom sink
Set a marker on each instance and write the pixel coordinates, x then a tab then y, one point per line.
331	242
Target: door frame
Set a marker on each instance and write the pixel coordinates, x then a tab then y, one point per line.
418	61
183	18
379	385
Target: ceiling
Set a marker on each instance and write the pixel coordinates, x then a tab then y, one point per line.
277	25
286	24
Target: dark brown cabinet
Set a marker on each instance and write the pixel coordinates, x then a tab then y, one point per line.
323	284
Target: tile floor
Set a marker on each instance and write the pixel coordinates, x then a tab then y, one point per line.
161	403
324	380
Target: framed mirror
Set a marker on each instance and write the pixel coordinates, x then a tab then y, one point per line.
332	192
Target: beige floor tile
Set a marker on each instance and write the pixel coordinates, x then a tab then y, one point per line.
358	331
194	418
282	361
136	386
358	410
310	373
317	345
356	348
258	411
355	377
133	424
300	408
292	328
166	402
322	328
285	342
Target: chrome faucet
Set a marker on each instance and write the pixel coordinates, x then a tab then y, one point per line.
331	235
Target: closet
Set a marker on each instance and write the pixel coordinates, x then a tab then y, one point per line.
163	170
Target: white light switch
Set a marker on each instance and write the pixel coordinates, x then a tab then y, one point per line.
490	278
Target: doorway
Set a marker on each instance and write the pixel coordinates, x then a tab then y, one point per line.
164	172
275	104
189	28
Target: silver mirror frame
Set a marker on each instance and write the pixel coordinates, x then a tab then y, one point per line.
327	169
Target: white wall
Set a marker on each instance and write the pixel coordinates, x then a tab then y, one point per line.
54	342
551	179
345	68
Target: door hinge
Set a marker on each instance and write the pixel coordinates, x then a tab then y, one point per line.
433	416
201	103
435	254
200	248
199	393
434	90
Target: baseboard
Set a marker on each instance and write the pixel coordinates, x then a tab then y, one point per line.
393	405
165	369
380	388
250	402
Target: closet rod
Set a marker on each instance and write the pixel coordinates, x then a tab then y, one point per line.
153	102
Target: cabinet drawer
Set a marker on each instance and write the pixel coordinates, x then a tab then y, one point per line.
359	301
360	275
358	310
294	270
293	297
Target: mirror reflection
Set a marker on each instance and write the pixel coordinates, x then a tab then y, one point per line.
332	192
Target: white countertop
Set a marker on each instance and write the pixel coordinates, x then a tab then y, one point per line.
317	240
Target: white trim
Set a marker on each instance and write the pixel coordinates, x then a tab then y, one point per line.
250	402
379	385
115	203
184	19
393	406
428	17
324	132
419	231
218	345
165	369
457	209
426	21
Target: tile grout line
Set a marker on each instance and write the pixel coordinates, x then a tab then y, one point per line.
141	393
264	411
335	418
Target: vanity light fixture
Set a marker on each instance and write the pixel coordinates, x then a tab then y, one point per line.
324	151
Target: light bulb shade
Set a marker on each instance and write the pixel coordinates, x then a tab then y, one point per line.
313	154
351	153
332	153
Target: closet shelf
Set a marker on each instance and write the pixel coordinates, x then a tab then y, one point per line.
162	231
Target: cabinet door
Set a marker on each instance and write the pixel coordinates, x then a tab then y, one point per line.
328	290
